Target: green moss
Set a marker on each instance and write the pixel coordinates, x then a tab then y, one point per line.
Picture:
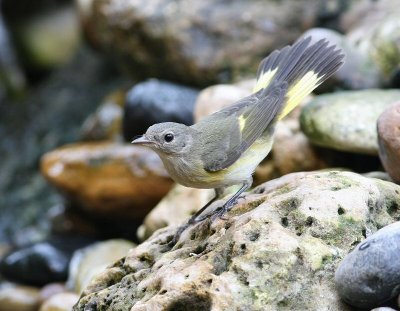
345	232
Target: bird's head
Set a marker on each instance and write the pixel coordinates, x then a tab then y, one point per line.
168	138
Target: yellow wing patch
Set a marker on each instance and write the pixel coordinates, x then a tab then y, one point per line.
242	122
299	91
264	80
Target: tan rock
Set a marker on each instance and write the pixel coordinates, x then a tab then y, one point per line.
217	97
108	178
50	290
19	298
60	302
180	203
88	262
277	249
389	141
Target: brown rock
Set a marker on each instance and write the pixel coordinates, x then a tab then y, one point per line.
19	298
209	42
60	302
277	249
108	178
180	203
389	141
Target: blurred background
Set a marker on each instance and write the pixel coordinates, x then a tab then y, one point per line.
79	79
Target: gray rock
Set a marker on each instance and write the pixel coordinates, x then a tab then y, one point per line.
370	274
358	71
377	36
277	250
209	42
347	120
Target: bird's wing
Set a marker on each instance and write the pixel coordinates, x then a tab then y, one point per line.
228	133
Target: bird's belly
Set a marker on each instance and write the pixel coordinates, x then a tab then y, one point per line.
191	173
245	166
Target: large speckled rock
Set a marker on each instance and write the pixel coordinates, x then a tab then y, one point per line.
108	178
347	120
389	140
277	249
174	208
370	274
209	42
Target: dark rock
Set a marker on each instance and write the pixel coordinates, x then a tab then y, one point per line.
370	274
157	101
389	141
41	263
194	42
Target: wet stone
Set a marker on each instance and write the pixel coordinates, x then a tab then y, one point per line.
370	274
156	101
41	263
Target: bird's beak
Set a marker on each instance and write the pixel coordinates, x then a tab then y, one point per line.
141	140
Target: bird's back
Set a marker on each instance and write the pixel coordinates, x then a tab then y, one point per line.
284	79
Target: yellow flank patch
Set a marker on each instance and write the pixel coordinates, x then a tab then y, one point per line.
264	80
242	122
299	91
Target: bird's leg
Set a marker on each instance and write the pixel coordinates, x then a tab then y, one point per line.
218	194
194	219
232	201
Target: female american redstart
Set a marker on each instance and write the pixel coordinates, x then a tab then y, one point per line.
224	149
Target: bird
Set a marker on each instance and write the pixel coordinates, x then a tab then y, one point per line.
224	148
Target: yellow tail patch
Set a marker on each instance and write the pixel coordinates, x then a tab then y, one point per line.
264	80
299	91
296	93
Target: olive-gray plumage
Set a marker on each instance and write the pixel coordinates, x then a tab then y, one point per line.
224	148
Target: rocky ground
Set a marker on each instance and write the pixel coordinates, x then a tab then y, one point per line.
87	219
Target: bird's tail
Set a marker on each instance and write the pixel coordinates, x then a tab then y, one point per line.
302	66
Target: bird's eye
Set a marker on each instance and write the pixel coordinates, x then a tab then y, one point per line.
168	137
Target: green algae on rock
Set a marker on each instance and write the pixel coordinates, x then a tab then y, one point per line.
346	121
276	250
